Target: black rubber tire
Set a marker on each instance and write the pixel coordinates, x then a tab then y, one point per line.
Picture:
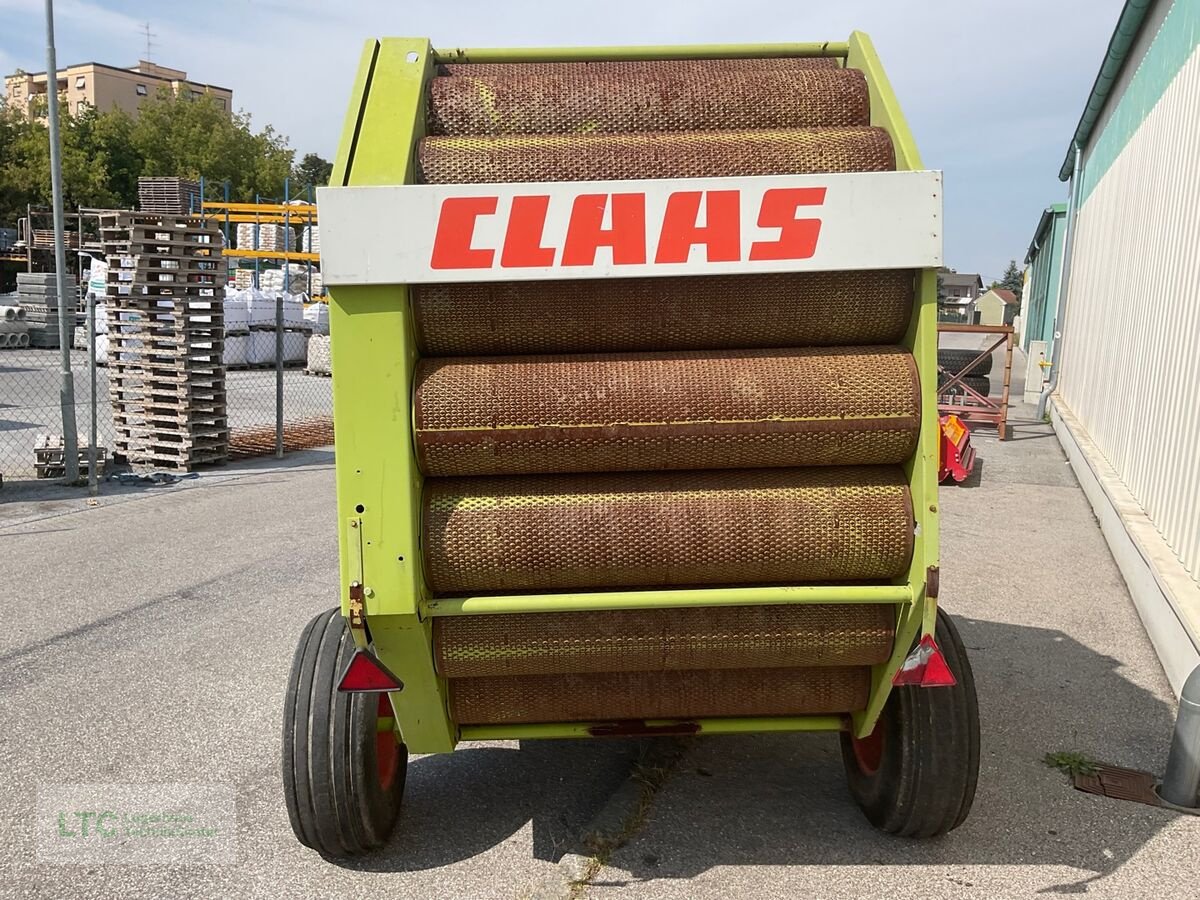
954	361
924	783
336	800
981	384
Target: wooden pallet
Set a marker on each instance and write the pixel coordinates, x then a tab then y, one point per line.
137	246
167	262
183	291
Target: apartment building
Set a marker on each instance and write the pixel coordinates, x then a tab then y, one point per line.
103	87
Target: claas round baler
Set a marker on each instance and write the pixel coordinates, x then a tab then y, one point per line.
634	356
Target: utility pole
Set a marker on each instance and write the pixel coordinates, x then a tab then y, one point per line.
66	310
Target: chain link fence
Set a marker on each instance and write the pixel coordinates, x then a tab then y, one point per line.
268	405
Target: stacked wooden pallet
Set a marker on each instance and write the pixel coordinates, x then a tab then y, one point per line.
166	339
169	196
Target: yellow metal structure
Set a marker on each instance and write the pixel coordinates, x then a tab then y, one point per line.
378	481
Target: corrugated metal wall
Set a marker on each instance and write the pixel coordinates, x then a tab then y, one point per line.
1131	351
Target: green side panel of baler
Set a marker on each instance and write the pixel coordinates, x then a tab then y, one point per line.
635	53
374	353
922	341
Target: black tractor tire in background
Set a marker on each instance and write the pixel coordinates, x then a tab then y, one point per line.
954	361
342	780
981	384
915	775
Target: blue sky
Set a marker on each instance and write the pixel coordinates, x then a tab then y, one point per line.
991	88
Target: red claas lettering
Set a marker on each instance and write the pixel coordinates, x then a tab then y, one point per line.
455	228
526	244
797	237
586	234
523	239
721	234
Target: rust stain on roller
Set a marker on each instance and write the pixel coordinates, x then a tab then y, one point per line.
603	101
480	159
606	315
685	410
643	529
721	637
616	696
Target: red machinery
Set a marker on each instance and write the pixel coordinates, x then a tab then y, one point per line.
957	457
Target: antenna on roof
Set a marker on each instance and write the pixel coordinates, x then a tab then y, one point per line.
148	34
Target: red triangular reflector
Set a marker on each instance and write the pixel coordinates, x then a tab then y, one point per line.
925	667
366	673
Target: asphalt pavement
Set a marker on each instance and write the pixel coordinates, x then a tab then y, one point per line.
146	639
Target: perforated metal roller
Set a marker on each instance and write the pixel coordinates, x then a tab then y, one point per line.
727	98
689	154
716	312
683	410
615	696
631	640
612	530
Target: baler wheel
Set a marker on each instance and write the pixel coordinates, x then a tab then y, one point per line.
915	774
343	777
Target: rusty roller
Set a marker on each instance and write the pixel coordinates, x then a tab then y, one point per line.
632	640
715	312
630	68
599	102
654	529
686	154
616	696
686	410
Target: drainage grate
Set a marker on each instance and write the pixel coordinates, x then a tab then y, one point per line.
1120	784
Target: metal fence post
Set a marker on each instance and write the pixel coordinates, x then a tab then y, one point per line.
65	323
279	376
93	478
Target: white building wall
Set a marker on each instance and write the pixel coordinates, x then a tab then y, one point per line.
1130	368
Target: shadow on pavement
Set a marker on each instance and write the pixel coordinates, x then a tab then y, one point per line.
781	799
459	804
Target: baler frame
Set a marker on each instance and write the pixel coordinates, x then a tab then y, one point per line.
381	574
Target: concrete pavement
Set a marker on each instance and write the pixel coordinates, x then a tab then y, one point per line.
148	639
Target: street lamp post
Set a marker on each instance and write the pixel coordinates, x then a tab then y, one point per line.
66	312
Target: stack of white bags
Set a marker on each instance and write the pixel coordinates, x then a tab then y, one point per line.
251	319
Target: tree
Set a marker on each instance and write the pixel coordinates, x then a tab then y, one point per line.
312	170
180	136
1012	280
105	152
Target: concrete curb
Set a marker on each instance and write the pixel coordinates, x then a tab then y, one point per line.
612	826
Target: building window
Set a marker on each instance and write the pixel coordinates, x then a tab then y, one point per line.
221	100
80	82
141	90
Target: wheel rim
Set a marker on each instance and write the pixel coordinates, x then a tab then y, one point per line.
868	752
387	750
